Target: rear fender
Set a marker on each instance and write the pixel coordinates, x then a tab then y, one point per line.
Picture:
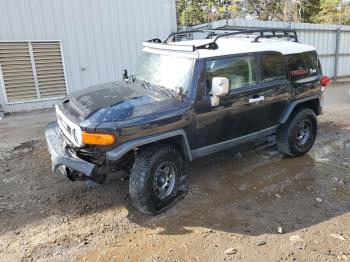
313	102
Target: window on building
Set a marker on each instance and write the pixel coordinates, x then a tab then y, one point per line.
239	70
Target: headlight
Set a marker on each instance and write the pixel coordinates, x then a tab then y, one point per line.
77	134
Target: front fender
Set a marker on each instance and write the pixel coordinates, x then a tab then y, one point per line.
122	149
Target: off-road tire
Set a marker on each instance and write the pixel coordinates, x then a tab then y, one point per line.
287	142
142	193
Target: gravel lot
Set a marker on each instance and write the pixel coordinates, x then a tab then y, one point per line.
248	203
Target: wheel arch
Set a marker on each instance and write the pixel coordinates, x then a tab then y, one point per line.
177	137
313	102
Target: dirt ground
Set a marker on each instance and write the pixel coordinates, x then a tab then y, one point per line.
248	203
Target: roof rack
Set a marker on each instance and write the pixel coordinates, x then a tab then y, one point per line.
218	33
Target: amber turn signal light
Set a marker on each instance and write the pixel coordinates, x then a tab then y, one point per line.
98	139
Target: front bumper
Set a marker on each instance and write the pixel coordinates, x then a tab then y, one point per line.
62	159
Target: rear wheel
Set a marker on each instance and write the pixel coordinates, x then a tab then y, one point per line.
298	134
157	178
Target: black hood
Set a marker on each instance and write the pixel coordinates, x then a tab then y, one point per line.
118	101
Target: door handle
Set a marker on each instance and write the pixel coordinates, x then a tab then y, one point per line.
256	100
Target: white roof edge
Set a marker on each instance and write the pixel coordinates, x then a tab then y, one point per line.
171	53
171	47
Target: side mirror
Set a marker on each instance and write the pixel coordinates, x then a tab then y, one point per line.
219	88
125	75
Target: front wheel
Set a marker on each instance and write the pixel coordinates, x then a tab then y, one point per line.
157	178
298	134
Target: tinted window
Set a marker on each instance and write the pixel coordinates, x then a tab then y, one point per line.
239	70
273	67
302	65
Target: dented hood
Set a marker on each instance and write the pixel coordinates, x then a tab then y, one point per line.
117	101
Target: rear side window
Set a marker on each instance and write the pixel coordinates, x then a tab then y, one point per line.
239	70
273	67
302	65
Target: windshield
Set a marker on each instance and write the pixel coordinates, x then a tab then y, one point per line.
166	71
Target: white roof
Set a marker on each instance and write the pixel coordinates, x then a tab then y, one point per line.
229	46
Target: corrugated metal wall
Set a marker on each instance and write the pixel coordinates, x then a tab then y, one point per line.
344	57
99	37
322	37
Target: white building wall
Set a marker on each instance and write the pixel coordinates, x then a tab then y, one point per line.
99	37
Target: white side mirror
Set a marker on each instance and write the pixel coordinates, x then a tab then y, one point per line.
219	88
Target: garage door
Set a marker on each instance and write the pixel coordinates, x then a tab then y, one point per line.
32	71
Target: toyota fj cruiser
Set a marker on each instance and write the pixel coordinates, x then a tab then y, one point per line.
188	99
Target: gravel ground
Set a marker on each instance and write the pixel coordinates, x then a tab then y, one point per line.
248	203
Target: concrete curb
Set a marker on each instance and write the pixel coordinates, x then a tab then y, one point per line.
342	80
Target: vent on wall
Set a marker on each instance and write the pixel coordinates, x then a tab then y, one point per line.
31	71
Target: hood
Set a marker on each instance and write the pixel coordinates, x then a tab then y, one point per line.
118	101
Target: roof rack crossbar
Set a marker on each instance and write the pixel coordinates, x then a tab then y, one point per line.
182	33
286	33
206	30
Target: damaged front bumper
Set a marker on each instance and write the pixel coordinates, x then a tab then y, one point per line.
63	161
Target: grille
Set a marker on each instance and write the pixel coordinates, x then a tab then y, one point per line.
67	127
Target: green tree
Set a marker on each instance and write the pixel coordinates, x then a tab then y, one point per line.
333	12
309	9
264	10
193	12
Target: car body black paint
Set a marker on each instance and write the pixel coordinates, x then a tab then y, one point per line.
131	111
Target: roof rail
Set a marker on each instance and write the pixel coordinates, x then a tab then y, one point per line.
218	33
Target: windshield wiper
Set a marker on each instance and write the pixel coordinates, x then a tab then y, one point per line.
177	92
164	90
168	92
146	84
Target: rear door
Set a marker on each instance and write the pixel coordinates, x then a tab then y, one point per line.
276	88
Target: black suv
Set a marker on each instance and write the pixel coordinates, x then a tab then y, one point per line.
186	100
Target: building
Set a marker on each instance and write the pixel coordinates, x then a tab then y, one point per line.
49	48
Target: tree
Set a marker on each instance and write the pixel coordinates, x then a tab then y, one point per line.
309	9
264	10
333	12
270	10
193	12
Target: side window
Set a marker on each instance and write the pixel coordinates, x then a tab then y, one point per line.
302	65
273	67
239	70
